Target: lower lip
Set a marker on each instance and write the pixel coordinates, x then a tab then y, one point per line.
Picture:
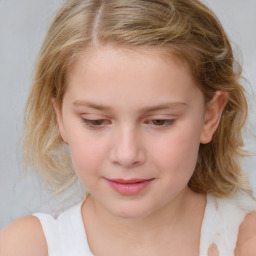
129	188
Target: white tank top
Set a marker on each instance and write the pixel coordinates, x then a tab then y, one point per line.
66	235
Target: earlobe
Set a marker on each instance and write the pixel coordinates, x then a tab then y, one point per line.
59	120
214	110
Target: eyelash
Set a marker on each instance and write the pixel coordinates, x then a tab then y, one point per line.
100	123
91	123
161	123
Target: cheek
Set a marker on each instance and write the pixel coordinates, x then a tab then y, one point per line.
177	154
87	155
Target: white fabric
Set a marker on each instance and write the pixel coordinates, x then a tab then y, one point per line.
66	235
221	222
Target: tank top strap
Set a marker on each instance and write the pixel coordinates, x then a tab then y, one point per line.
50	229
221	222
66	235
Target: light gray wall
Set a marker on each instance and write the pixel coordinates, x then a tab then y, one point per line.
22	28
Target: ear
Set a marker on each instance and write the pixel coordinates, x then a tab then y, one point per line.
213	114
59	120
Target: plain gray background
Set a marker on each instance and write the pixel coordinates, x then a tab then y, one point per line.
23	25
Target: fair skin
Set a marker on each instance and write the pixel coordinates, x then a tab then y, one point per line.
134	122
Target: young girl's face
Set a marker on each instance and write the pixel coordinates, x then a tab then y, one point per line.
133	122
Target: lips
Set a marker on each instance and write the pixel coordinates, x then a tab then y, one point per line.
129	187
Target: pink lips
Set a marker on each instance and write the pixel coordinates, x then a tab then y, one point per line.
129	187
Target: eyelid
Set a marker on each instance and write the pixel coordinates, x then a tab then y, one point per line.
91	123
165	121
93	116
162	122
160	117
168	119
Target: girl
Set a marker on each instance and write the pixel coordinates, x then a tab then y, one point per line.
141	101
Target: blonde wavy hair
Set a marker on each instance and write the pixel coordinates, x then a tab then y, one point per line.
185	28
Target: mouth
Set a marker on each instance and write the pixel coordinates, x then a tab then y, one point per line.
129	187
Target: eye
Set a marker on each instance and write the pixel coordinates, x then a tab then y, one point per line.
98	123
161	122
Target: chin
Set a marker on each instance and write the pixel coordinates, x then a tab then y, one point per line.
131	211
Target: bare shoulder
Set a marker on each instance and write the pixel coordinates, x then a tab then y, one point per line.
23	237
246	241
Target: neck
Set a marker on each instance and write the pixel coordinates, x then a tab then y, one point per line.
176	219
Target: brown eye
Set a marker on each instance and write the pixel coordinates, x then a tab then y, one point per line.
98	123
159	122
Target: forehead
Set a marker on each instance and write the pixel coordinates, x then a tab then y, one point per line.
91	54
121	72
103	58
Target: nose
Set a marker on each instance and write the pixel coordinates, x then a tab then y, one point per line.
127	150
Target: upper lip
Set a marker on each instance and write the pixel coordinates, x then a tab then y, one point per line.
129	181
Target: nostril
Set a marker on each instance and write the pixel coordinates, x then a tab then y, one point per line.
127	149
127	159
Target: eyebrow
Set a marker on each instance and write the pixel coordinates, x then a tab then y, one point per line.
90	105
169	105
